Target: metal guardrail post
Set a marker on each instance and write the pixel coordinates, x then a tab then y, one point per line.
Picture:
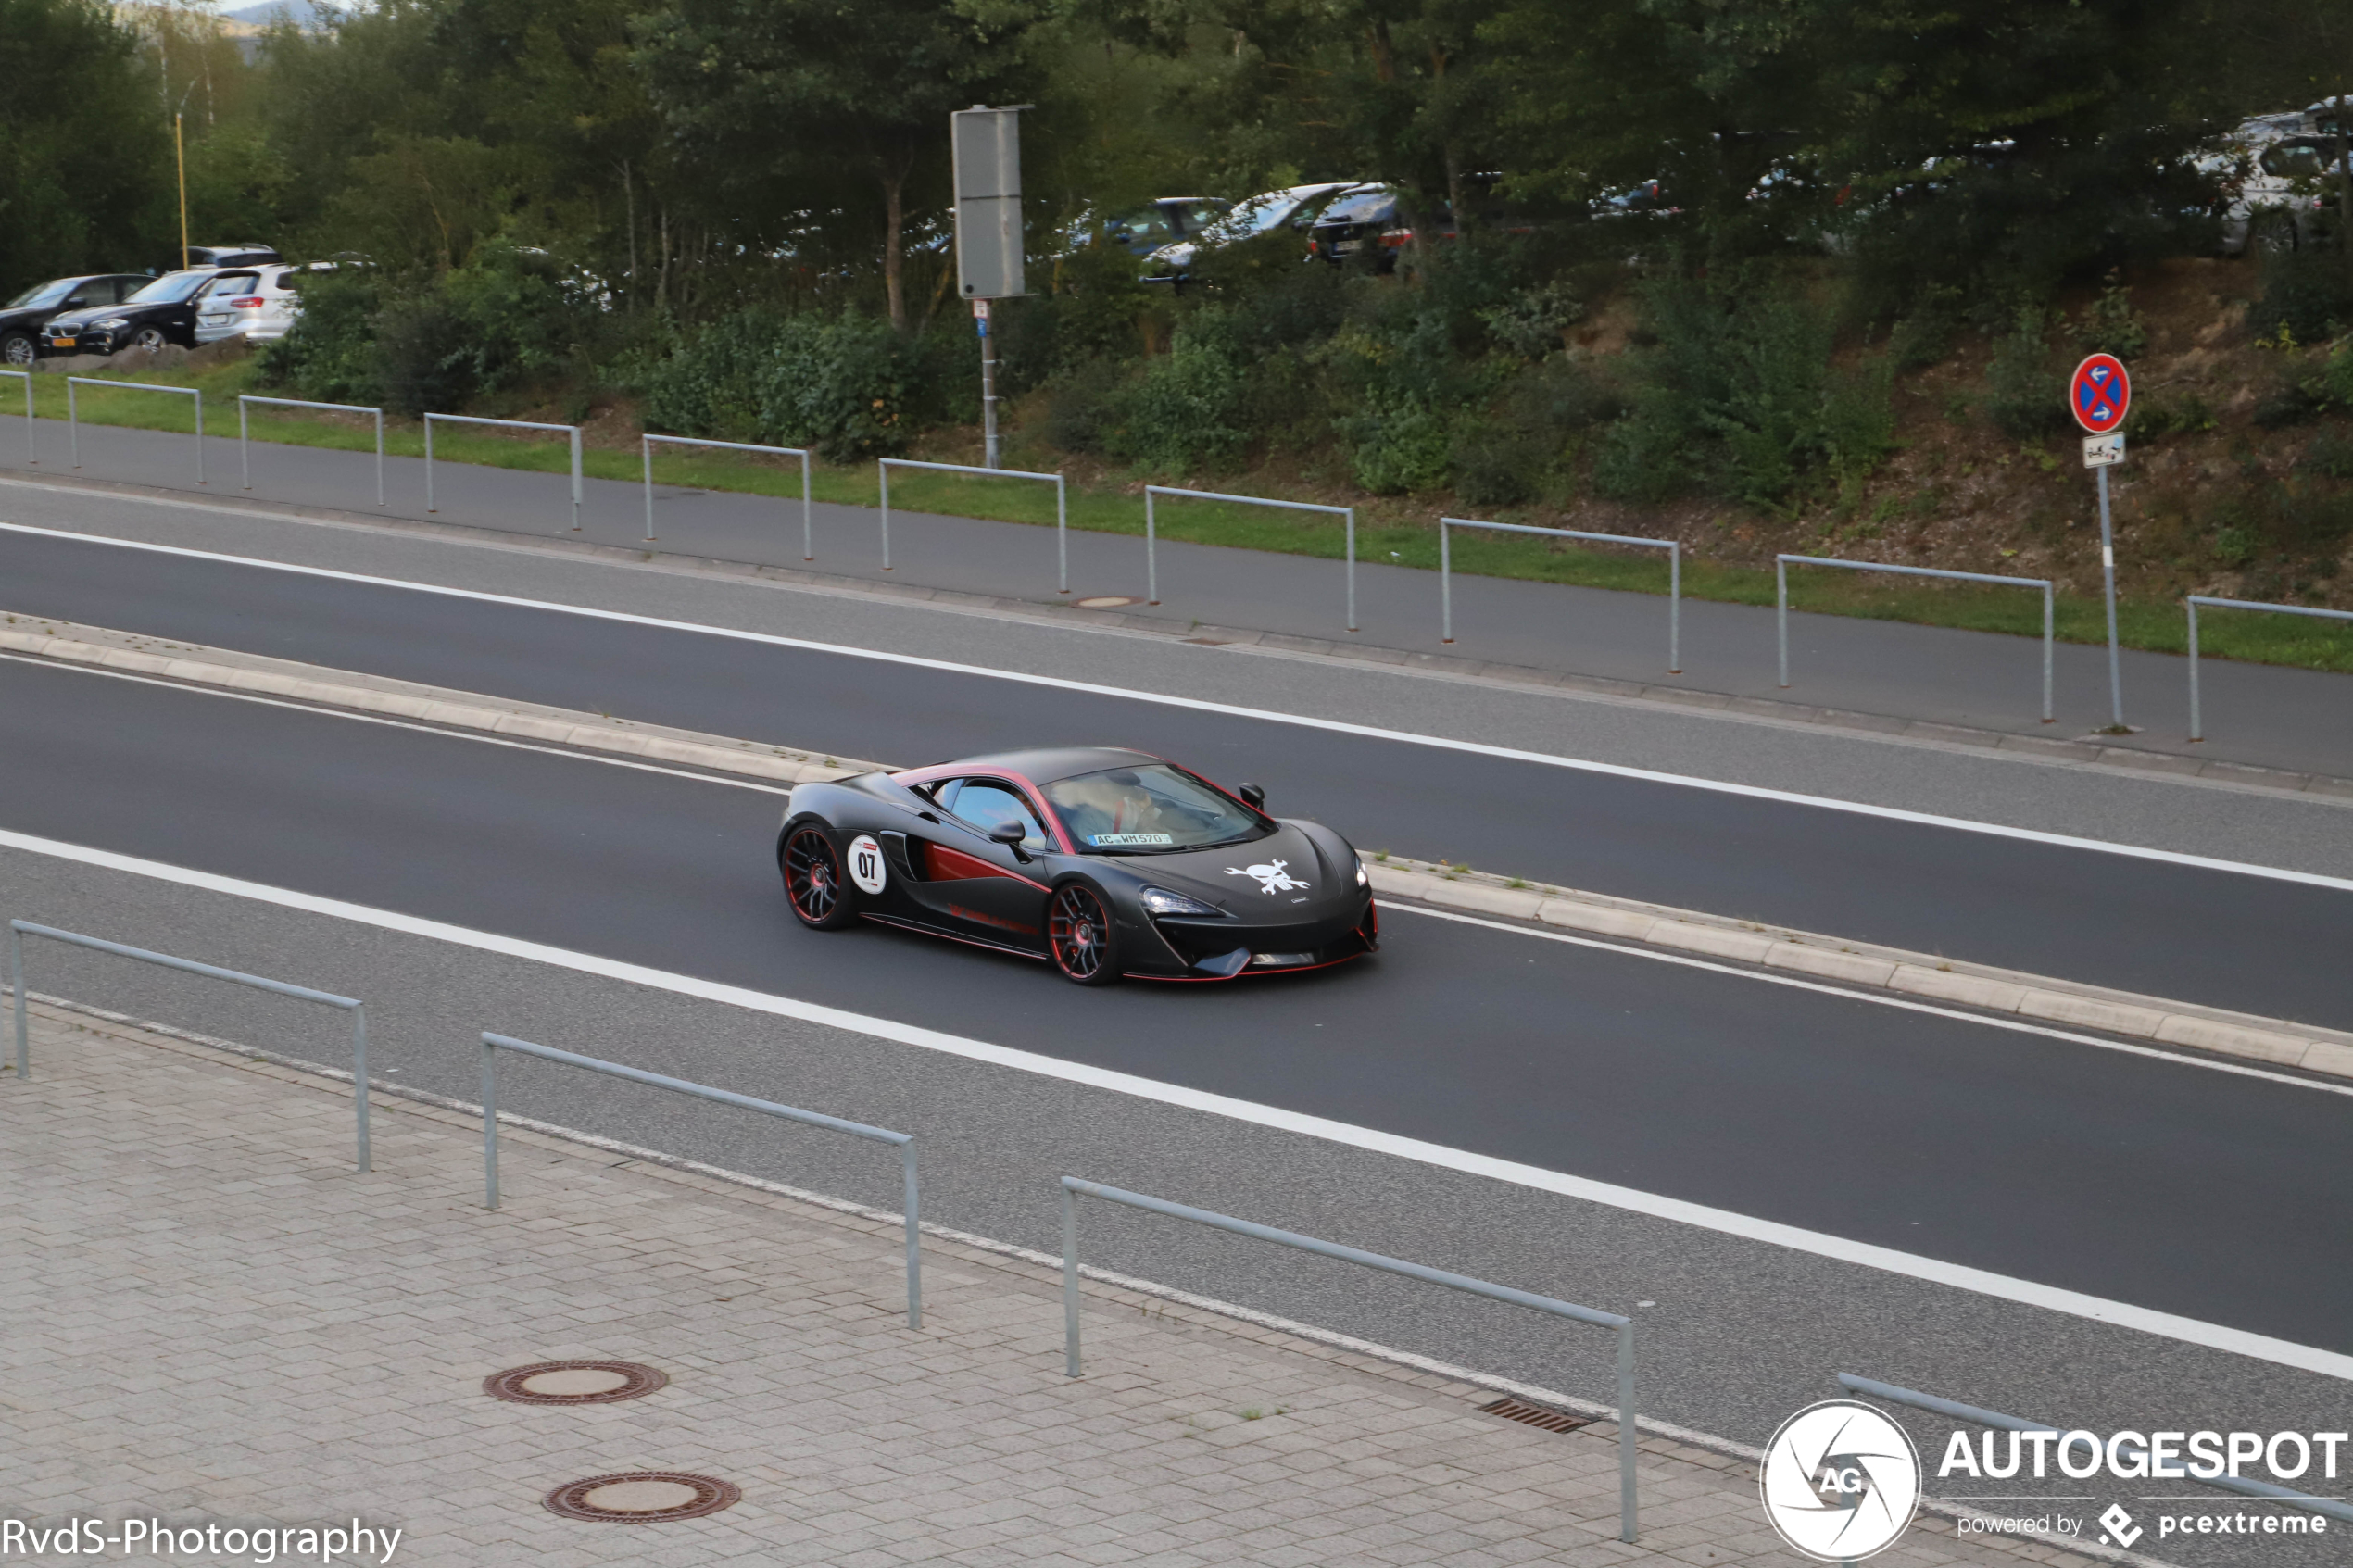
15	991
492	1044
1781	603
30	458
1629	1430
73	419
1061	506
1151	575
2266	1490
807	537
1673	547
244	452
20	929
2198	726
572	431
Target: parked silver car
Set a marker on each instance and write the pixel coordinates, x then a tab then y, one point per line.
262	307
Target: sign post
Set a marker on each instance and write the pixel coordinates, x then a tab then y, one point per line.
2099	395
985	146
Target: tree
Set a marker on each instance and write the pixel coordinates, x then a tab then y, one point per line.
811	86
85	150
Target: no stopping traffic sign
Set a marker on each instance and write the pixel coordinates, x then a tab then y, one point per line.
2098	393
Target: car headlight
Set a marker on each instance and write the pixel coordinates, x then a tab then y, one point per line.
1160	901
1363	878
114	321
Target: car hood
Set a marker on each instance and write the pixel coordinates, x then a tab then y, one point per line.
86	316
1269	878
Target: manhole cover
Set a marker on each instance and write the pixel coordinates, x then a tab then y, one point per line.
1107	601
574	1383
642	1497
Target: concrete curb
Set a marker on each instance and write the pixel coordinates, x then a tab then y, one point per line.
2271	1041
70	644
2274	1042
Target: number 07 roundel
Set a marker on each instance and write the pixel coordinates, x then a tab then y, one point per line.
2099	393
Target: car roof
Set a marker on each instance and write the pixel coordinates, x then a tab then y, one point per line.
1045	764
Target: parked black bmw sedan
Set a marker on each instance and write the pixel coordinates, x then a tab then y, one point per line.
164	311
22	317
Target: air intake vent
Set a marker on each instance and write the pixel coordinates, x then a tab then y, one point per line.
1512	1408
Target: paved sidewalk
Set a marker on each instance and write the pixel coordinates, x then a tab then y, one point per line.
213	1320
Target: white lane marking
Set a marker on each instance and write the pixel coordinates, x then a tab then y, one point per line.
1334	726
2191	1331
1878	998
1794	982
325	713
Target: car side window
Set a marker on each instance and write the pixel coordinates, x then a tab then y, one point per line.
983	803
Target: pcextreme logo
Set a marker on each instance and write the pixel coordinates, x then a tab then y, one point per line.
1840	1480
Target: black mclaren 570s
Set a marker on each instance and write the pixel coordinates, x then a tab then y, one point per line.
1103	862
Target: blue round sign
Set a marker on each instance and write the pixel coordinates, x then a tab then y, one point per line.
2099	393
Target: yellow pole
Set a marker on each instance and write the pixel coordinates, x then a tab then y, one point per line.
180	145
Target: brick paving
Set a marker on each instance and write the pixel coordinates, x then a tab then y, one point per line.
211	1319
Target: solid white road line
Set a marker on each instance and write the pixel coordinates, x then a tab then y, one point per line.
1164	699
1877	998
2168	1325
325	713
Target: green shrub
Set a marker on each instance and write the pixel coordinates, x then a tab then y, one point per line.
2025	389
849	386
2109	324
1738	394
1185	412
2305	297
1395	448
330	357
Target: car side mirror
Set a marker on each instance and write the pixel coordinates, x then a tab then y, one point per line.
76	303
1254	796
1010	835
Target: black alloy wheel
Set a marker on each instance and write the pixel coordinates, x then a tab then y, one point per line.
813	881
1079	929
148	339
17	349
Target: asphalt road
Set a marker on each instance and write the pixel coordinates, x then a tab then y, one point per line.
2157	1183
2182	931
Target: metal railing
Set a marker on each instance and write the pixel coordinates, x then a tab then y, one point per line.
2197	719
1151	548
26	376
2069	1442
1674	574
1074	1189
808	538
73	413
573	431
1780	598
1061	507
492	1044
21	929
244	437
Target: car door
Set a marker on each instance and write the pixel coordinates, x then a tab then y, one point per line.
971	884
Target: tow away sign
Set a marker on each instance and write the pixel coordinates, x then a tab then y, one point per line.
2100	451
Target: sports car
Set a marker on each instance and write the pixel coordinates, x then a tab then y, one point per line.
1101	861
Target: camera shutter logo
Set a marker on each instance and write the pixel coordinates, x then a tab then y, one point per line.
1840	1480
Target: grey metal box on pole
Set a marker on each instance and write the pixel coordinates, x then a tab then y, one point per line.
986	144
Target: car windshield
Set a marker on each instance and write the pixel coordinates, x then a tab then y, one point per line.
170	288
1148	809
41	296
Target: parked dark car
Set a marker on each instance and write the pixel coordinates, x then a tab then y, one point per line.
22	317
164	311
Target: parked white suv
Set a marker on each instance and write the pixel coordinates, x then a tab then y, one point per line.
260	311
